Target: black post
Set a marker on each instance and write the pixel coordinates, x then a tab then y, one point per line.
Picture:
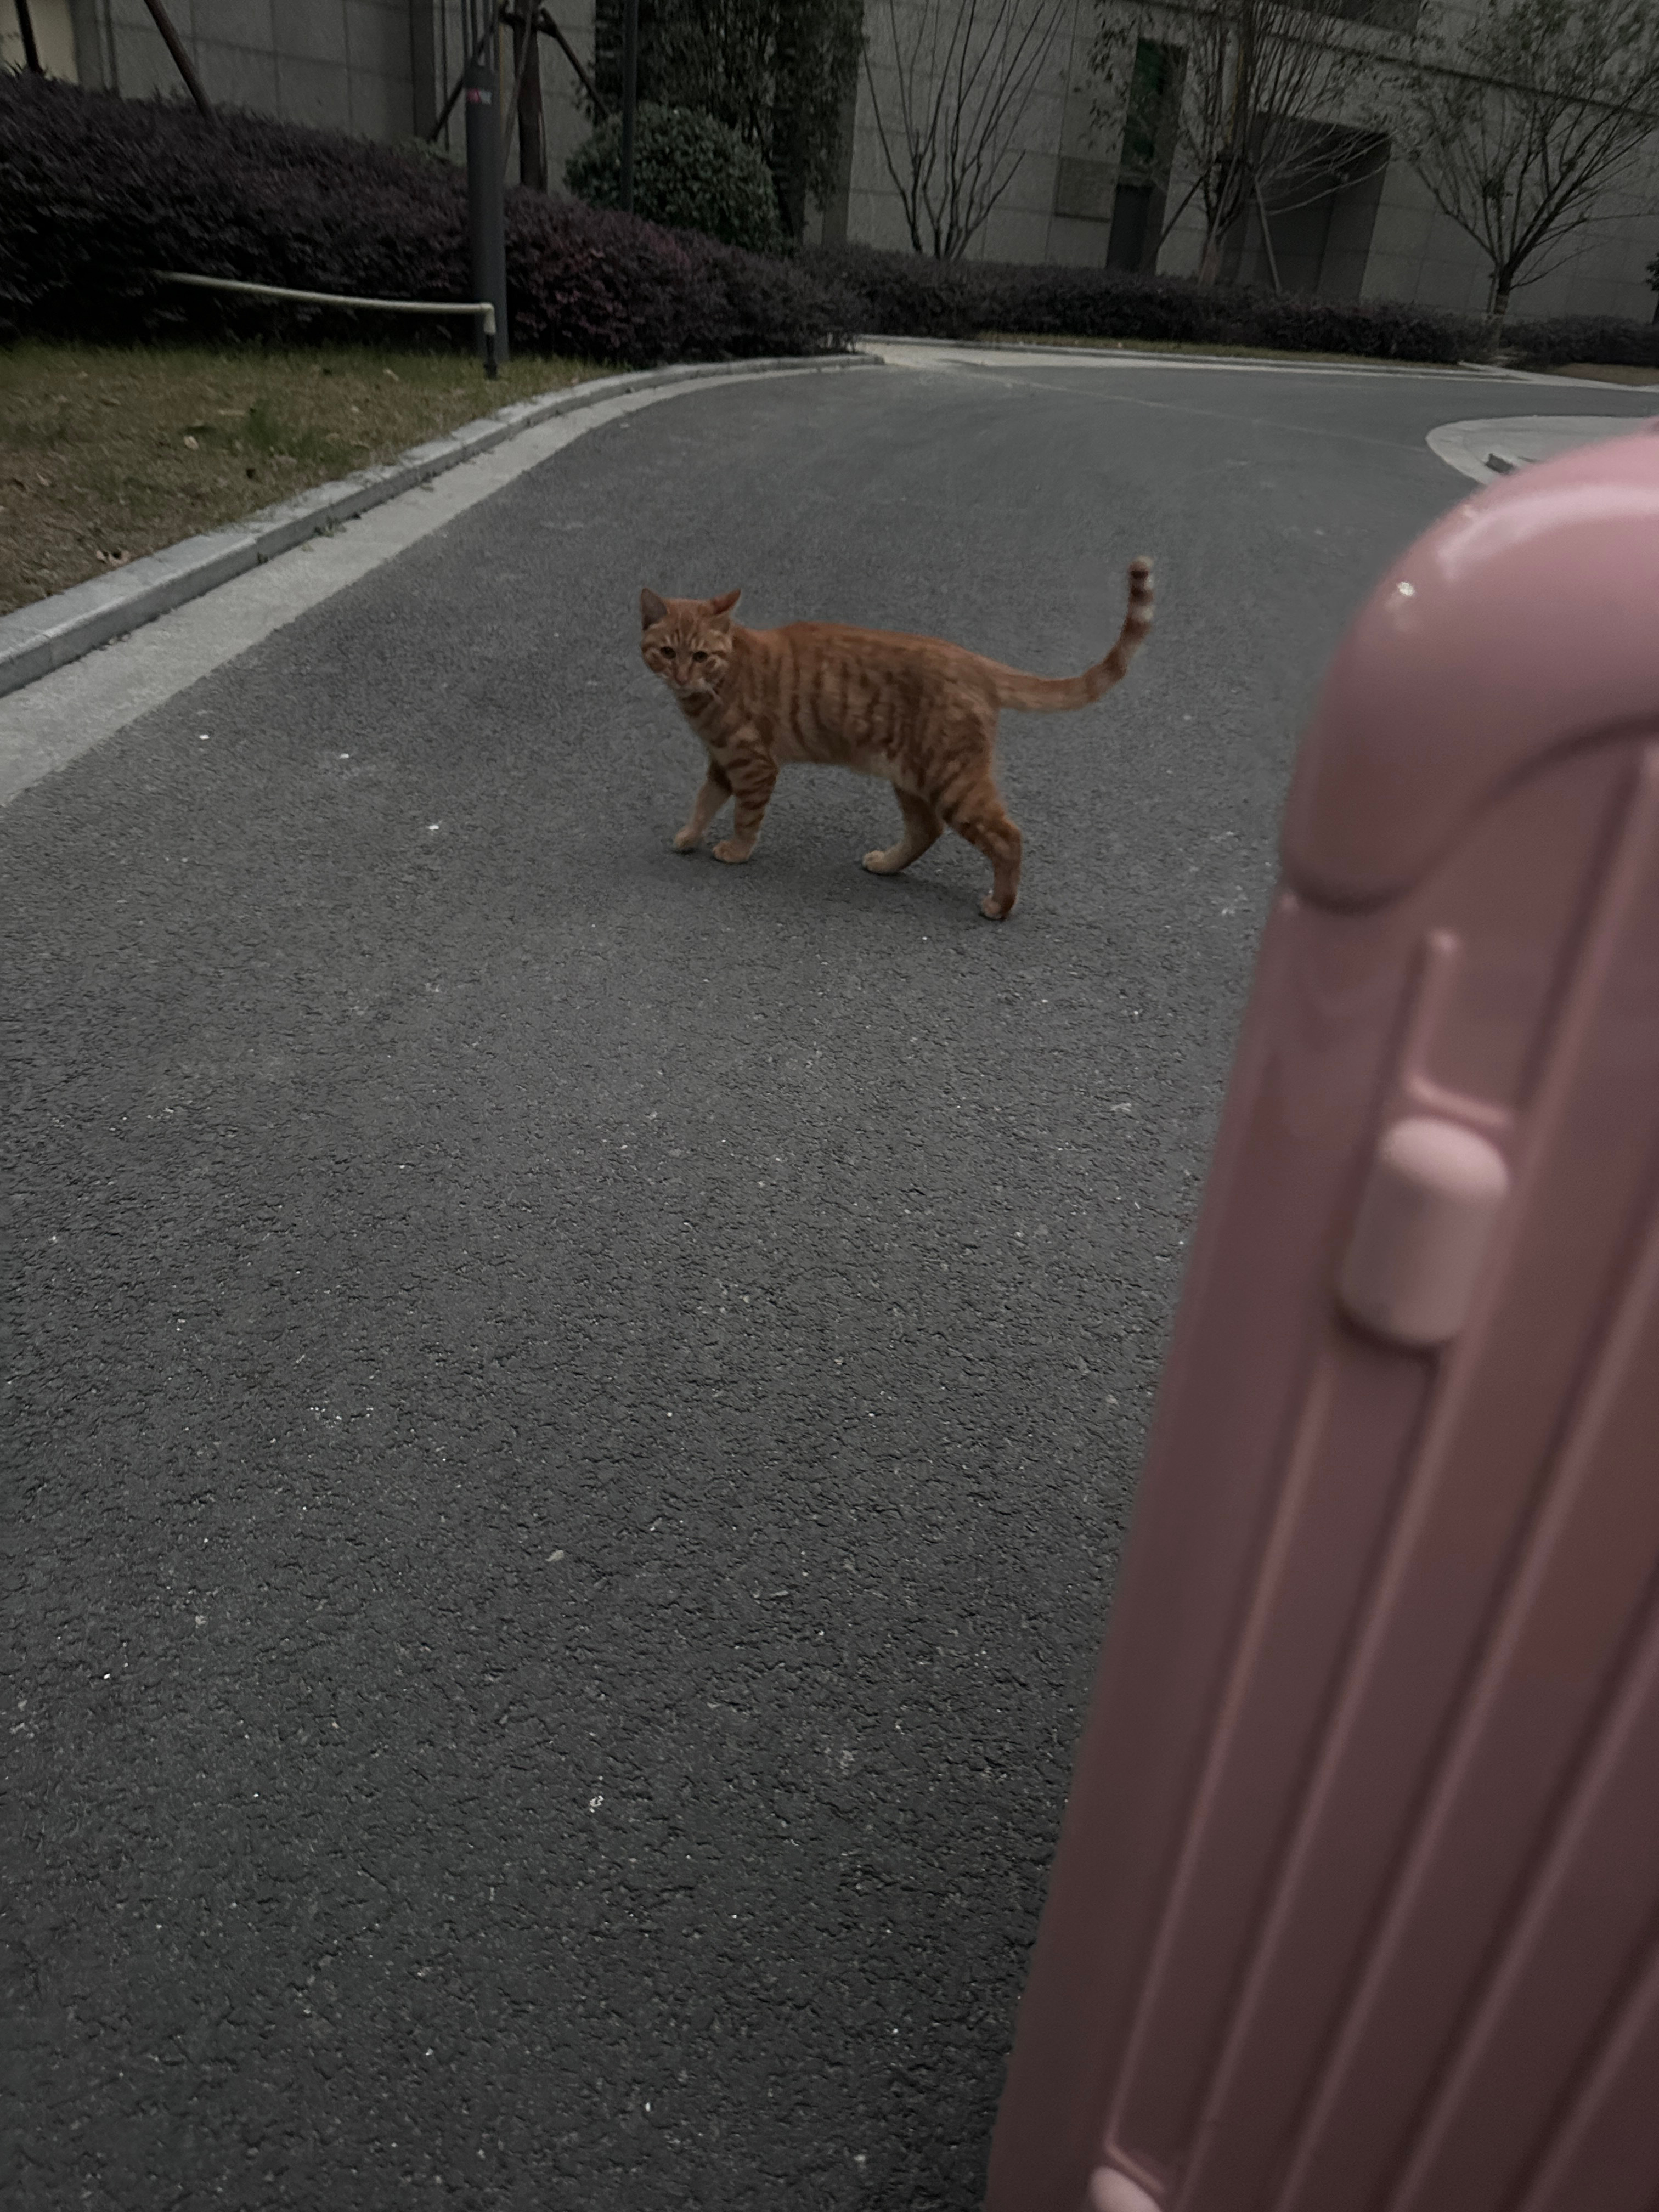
483	191
31	52
630	95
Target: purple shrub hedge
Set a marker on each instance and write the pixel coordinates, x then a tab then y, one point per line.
96	191
905	295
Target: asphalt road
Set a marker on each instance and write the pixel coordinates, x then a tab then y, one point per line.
574	1410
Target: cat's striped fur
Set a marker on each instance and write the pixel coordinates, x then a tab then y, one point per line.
915	710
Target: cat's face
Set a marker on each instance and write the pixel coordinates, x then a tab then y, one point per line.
688	642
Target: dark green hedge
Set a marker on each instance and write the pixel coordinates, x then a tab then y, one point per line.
904	295
690	172
1601	339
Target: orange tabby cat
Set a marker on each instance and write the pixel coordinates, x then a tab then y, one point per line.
914	710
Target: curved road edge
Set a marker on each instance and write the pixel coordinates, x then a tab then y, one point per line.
47	635
66	711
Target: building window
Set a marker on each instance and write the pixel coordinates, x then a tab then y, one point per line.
1144	166
1399	15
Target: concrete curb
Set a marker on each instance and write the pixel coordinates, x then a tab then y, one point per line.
50	632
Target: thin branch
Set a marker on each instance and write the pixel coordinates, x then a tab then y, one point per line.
948	101
1515	149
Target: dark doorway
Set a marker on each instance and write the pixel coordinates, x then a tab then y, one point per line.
1321	212
1144	166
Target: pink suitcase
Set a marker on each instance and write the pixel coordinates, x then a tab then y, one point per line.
1356	1907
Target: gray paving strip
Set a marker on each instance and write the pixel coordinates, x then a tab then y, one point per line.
1498	445
994	353
38	638
504	1795
192	615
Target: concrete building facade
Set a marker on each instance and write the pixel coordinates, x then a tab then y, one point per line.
1379	236
1081	191
376	69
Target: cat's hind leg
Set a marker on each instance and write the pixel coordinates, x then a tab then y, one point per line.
978	814
707	804
952	751
922	827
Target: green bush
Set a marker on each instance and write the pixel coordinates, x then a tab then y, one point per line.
690	174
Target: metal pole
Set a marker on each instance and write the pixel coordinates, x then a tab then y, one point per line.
459	85
484	192
484	310
175	46
630	95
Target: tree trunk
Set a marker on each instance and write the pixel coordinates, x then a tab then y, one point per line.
532	138
789	177
788	142
1223	212
1498	305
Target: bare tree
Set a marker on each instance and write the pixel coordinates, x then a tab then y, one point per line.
1521	119
1252	121
950	82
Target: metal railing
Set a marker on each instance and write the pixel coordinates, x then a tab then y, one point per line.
483	309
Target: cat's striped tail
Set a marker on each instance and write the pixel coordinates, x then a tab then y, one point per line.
1052	694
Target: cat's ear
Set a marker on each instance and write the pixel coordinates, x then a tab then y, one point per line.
723	606
652	610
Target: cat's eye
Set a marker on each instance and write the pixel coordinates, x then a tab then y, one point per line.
700	654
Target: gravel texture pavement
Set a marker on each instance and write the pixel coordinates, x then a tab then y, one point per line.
574	1410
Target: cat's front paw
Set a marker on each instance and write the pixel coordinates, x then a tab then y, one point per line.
685	840
729	850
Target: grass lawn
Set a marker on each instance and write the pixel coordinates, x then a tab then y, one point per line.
106	452
1602	374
